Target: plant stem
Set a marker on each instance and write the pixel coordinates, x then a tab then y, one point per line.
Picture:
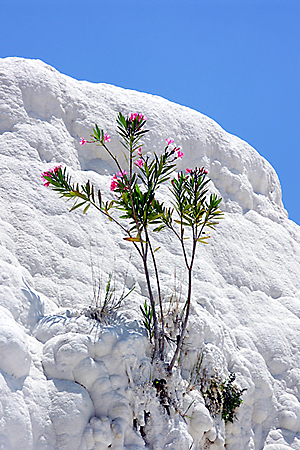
188	303
152	302
162	345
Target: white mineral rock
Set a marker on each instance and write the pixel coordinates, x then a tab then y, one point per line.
71	383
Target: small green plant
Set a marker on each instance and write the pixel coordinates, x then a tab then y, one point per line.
102	311
222	397
137	211
232	398
184	414
147	313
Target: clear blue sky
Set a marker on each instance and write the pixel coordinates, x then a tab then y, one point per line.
237	61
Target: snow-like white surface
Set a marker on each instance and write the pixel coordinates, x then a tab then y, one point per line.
68	383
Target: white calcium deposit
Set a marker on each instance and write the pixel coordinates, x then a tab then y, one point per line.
71	383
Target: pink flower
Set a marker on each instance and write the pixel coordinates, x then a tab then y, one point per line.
46	183
139	162
169	141
203	171
107	138
113	184
49	174
188	170
114	181
140	151
133	116
141	117
179	154
137	116
82	141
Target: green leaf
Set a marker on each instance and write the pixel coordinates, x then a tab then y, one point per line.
86	208
158	229
203	239
132	239
77	206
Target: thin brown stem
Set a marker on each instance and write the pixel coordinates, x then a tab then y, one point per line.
152	302
162	345
187	312
189	295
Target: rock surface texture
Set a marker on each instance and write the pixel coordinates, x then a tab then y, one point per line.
70	383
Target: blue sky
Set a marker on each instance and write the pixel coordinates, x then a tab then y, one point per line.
237	61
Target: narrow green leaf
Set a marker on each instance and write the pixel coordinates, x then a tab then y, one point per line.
77	206
203	239
158	229
86	208
132	239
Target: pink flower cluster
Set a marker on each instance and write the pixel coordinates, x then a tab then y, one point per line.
139	163
169	141
107	138
114	181
202	171
49	174
179	152
134	116
176	149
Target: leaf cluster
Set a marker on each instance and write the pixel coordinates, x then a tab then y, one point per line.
83	195
98	135
131	130
110	305
191	204
147	312
223	397
232	398
137	200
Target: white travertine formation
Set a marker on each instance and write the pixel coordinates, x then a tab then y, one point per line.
70	383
